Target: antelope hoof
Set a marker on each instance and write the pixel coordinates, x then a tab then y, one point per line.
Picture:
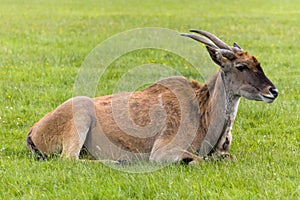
228	156
196	161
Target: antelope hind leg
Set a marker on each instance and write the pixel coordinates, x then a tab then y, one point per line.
72	145
79	127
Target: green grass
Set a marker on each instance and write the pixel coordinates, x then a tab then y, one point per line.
42	46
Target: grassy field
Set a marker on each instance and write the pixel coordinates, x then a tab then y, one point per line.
43	44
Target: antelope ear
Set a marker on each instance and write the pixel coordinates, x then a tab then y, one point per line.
220	56
237	46
214	55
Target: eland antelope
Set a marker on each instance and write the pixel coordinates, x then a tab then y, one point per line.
173	120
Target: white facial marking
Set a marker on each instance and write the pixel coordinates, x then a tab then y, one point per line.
270	95
267	98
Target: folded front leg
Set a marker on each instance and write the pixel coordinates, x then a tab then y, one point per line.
165	150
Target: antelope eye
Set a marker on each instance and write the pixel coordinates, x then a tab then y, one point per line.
241	67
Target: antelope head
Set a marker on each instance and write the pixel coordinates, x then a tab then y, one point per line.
241	70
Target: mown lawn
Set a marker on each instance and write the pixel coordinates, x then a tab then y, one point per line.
44	43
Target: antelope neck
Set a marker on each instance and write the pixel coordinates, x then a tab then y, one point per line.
223	109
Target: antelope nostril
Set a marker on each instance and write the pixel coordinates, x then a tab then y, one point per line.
274	91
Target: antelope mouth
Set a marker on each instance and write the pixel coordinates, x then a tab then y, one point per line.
269	98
